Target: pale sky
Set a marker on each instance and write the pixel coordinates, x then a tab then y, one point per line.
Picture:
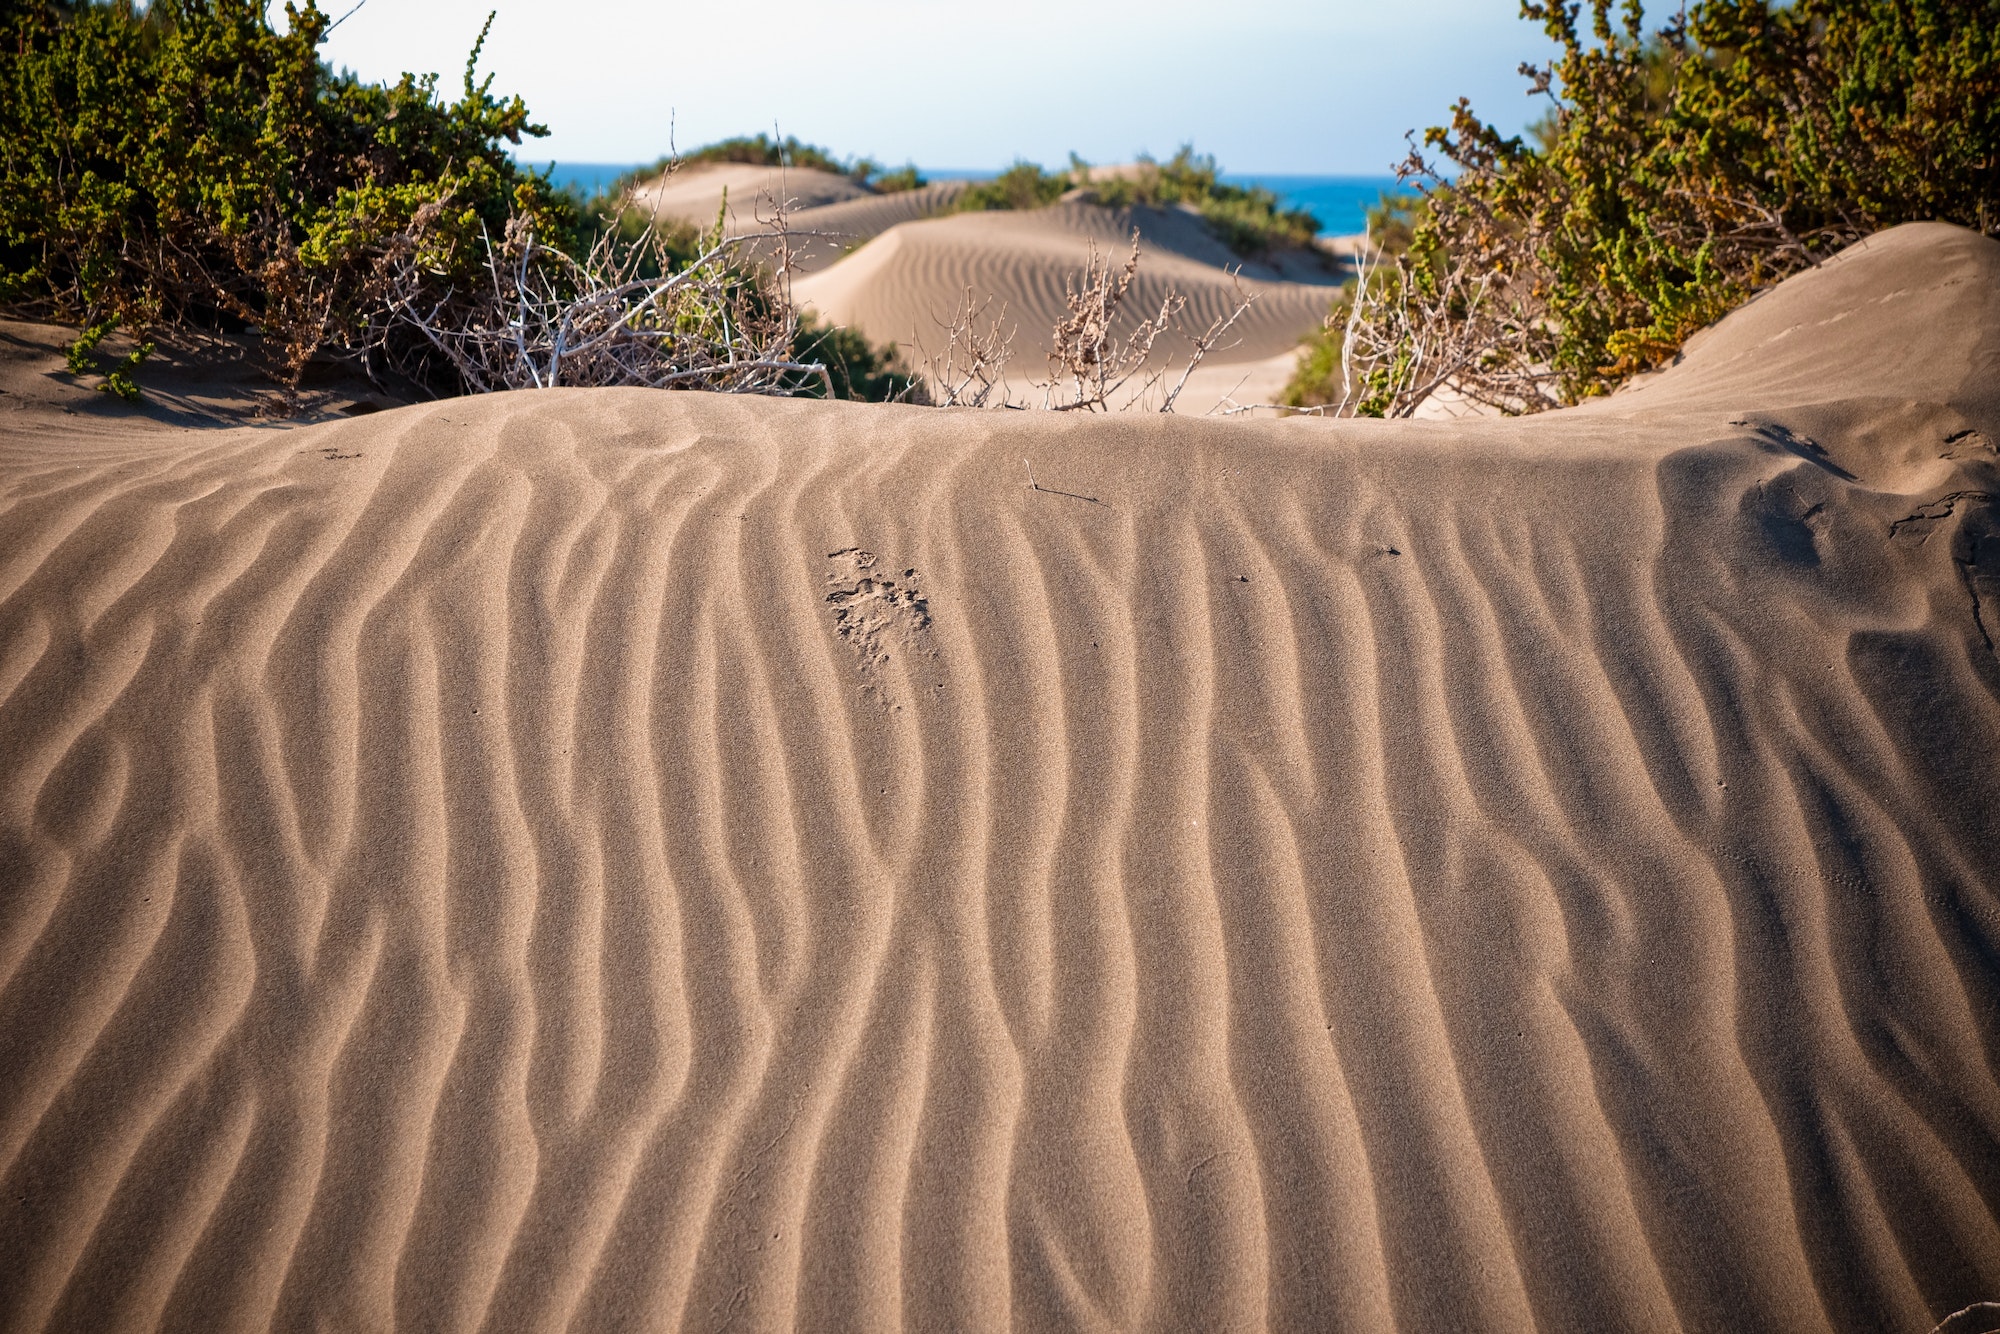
1266	85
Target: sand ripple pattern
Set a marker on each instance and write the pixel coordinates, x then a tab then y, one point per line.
458	876
905	285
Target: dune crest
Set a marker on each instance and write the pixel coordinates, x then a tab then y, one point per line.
694	193
611	859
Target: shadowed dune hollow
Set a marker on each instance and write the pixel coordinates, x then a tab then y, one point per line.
616	860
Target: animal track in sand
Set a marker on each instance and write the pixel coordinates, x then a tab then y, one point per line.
874	611
1967	444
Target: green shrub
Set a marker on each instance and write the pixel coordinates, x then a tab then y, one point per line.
763	151
1022	186
760	150
1683	171
858	368
189	164
1247	219
1250	222
906	177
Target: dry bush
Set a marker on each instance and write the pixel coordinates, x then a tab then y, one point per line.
1677	174
186	167
1207	341
626	313
973	366
1091	366
1412	329
1087	363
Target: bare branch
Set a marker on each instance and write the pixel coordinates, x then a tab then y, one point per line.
624	314
974	362
1206	343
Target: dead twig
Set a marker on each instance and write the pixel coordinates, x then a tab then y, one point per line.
973	365
1034	485
1094	367
1207	341
1088	364
1412	328
624	314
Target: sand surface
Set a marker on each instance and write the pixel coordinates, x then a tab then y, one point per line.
905	286
617	860
826	215
821	236
695	194
899	266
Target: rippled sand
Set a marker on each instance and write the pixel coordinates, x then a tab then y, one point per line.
611	859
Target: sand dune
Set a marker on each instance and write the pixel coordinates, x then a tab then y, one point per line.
606	859
694	193
822	235
828	214
897	267
904	286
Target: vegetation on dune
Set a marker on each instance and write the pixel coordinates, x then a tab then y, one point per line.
1022	186
905	177
790	152
1679	173
1248	219
188	165
1317	382
762	150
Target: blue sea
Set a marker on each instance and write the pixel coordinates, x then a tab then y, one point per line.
1341	203
585	178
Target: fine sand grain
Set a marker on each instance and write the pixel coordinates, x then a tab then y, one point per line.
614	859
820	236
826	215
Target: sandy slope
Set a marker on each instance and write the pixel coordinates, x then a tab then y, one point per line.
898	266
694	194
821	235
905	286
828	214
604	859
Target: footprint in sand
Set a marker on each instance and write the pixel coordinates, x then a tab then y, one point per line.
876	612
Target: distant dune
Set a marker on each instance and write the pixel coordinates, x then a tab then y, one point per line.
694	194
897	267
605	859
904	286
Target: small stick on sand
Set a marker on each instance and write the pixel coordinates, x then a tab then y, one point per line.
1034	485
1986	1311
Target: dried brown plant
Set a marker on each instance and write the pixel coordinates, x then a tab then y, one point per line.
1093	368
624	314
1088	363
973	366
1409	335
